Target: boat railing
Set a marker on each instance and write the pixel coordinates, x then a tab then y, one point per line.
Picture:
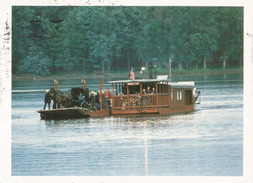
137	101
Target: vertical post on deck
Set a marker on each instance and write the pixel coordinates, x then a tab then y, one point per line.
56	84
100	93
84	83
113	95
127	95
156	88
169	93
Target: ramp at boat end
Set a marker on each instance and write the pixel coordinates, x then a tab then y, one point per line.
64	113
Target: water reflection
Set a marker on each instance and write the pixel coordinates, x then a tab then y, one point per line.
146	148
59	123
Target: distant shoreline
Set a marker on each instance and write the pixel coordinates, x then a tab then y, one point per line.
121	74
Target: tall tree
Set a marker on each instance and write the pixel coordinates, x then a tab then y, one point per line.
60	39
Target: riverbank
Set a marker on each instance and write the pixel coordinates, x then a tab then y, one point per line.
120	74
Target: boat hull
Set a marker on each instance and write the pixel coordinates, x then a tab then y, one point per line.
71	113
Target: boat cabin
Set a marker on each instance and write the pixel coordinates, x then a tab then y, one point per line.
157	96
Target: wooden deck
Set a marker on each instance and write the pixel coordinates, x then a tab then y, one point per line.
63	113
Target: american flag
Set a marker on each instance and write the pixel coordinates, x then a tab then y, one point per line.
131	74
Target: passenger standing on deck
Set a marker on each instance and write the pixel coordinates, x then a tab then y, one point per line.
47	100
148	90
153	91
93	99
144	91
108	97
108	94
97	105
104	101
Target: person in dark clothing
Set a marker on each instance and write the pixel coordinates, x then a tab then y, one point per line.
148	90
153	91
47	100
93	96
104	101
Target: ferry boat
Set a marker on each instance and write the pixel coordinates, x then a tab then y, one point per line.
153	96
140	96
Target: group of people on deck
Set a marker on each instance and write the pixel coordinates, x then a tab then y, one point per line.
137	100
148	91
95	99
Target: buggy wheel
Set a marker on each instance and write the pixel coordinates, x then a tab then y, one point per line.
84	104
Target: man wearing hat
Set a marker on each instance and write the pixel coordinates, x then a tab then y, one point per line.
47	100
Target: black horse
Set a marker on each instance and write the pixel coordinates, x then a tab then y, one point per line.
60	99
78	97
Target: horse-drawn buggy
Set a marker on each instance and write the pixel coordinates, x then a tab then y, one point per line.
78	102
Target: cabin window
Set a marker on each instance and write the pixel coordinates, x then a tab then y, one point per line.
172	95
188	97
134	89
179	95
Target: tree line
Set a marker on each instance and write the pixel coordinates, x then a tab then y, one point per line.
48	40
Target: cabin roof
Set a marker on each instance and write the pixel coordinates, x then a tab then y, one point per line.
137	80
187	84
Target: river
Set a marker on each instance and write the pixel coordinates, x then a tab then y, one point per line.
206	142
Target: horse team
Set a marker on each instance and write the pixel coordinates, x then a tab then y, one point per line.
79	97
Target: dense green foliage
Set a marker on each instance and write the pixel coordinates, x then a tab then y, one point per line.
100	39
